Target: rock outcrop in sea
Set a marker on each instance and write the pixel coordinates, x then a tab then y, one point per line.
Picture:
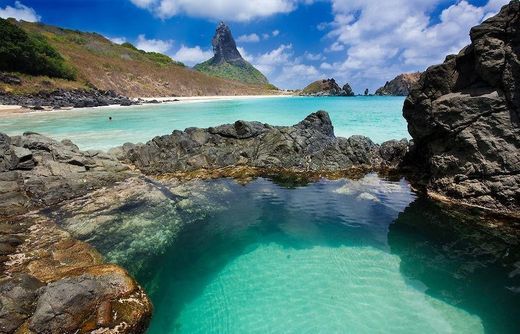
326	87
464	117
309	146
400	85
227	61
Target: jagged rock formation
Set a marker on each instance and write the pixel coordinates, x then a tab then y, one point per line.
348	90
309	146
464	117
227	61
327	87
36	171
400	85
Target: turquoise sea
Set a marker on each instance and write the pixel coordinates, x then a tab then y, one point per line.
379	118
271	256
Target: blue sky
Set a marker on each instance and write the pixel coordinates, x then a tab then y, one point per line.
293	42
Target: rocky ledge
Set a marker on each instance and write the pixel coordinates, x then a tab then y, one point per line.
464	117
309	147
50	282
53	283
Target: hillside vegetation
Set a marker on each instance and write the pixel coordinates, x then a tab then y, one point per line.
99	63
30	53
245	72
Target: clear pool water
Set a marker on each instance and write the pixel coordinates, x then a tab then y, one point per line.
379	118
341	256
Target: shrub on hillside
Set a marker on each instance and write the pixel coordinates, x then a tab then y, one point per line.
30	53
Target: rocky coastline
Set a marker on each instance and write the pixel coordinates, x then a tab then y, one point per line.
38	175
76	98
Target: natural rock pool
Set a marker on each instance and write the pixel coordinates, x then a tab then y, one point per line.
344	256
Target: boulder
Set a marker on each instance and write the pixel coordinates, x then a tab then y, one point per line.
464	119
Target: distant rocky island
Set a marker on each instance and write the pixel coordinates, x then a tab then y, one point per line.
400	85
326	87
227	63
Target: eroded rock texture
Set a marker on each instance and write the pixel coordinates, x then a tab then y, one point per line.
36	171
400	85
307	146
53	283
464	118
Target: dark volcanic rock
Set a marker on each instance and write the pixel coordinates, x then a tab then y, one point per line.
224	46
464	118
348	90
309	146
61	98
400	85
38	171
326	87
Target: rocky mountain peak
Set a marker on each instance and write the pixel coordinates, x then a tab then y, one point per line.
224	46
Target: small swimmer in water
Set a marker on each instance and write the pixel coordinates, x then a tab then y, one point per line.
110	118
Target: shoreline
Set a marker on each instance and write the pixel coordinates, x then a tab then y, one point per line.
9	110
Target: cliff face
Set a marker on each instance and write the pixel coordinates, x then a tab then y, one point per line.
327	87
227	61
464	118
224	47
400	85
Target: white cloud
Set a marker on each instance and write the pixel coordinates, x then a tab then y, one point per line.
192	56
153	45
117	40
383	39
232	10
312	56
282	67
19	12
245	54
251	38
265	36
276	33
335	47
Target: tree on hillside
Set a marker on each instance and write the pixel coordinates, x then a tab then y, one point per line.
30	53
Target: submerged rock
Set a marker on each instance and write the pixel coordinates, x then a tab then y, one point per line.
464	117
52	283
309	146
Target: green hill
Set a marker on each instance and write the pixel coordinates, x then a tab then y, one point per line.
227	62
47	58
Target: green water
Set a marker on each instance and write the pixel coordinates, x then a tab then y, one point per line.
332	257
379	118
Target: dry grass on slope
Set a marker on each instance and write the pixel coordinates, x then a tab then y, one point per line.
108	66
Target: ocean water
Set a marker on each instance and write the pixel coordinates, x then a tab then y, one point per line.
379	118
342	256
